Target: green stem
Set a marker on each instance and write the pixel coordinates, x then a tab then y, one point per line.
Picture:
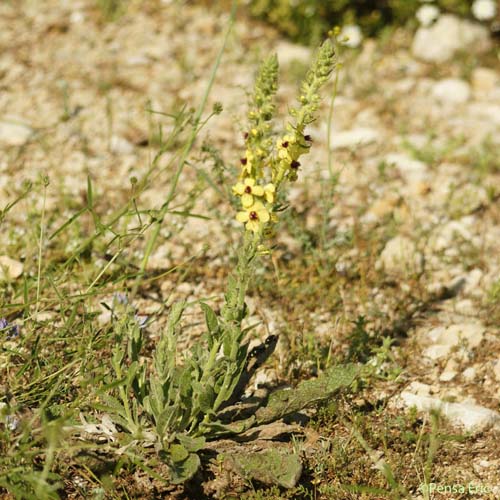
330	117
124	397
234	308
40	248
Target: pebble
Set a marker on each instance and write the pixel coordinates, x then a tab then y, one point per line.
120	145
384	206
413	171
439	42
10	268
444	237
444	339
484	79
471	417
486	112
496	370
13	133
419	388
451	90
400	256
469	374
450	371
77	17
353	138
472	284
104	318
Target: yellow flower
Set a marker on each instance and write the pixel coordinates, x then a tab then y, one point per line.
247	190
269	190
254	216
284	155
285	147
247	162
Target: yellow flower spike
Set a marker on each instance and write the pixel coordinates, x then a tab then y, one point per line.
254	216
269	190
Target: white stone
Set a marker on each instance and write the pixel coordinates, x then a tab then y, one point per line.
138	60
444	237
485	111
13	133
469	416
419	388
484	79
440	41
77	17
400	256
120	145
484	10
410	169
355	137
104	317
451	90
288	53
10	268
466	307
496	370
427	14
43	316
437	351
264	377
450	371
472	282
472	333
469	374
444	339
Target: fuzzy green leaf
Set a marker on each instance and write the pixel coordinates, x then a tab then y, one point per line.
272	466
210	318
178	453
183	471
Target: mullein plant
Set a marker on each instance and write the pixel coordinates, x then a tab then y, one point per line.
175	402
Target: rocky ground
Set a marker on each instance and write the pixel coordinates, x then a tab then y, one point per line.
403	230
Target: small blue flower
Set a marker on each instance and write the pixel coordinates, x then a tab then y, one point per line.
12	331
12	422
141	320
120	298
